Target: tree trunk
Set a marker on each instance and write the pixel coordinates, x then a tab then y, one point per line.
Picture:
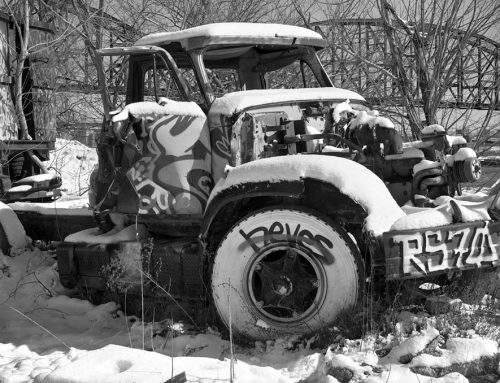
403	82
88	26
23	33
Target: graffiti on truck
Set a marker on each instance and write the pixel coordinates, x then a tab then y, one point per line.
173	174
453	247
275	233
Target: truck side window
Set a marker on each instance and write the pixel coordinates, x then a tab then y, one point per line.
117	77
194	90
223	80
165	86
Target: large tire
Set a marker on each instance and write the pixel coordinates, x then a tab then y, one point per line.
282	271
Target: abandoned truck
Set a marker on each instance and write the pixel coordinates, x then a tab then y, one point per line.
279	203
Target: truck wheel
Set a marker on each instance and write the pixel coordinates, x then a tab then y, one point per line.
283	271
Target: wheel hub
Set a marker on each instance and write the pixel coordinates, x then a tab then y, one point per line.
283	286
285	282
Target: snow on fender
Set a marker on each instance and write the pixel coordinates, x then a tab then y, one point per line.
14	231
282	271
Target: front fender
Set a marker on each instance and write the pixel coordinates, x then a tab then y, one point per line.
333	185
236	193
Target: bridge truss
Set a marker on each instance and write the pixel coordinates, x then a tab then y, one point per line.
358	58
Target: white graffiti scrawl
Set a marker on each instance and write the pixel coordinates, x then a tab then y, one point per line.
415	253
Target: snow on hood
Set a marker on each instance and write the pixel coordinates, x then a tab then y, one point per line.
351	178
237	101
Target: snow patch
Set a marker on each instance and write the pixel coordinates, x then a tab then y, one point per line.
465	208
38	178
20	188
13	228
408	152
334	149
344	361
66	205
418	144
424	218
424	165
235	102
458	351
362	118
341	108
149	108
248	30
432	129
400	373
116	235
73	162
456	140
118	364
464	153
112	364
411	346
383	122
261	323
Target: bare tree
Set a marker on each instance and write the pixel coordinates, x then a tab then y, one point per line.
181	14
437	33
407	57
22	26
91	34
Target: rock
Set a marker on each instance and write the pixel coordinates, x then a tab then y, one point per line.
413	346
441	304
344	367
342	374
484	366
488	378
469	357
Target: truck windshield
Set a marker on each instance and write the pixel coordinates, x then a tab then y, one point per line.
262	67
295	75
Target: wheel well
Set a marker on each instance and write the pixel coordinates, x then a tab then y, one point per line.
317	195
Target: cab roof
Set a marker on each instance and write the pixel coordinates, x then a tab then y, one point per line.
231	34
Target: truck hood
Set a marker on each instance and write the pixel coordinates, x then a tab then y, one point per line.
235	102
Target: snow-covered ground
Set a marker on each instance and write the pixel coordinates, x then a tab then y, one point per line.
47	336
74	163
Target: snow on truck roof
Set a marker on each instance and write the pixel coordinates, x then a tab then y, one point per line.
236	33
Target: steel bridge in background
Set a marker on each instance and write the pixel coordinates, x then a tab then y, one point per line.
475	85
